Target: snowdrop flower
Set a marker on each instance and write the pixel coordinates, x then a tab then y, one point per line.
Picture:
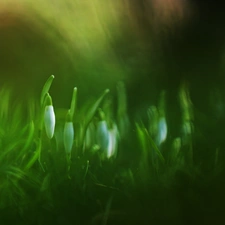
68	133
107	137
68	136
102	135
49	117
113	141
162	131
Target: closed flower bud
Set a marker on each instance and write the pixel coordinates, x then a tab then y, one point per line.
102	135
49	120
162	130
68	136
113	141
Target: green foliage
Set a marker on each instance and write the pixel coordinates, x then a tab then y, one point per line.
46	88
85	175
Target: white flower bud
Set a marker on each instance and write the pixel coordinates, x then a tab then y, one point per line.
68	136
162	130
102	135
49	120
113	141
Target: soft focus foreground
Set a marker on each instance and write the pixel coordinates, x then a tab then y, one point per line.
126	131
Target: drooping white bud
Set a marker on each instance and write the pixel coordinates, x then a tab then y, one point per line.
102	135
113	141
68	136
162	130
49	120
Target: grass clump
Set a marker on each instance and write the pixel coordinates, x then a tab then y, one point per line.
95	165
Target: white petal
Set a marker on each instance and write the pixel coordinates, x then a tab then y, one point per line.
68	136
113	141
102	135
162	132
49	120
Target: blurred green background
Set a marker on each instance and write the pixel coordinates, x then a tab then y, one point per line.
149	151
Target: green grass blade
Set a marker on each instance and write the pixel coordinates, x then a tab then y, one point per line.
156	149
34	158
46	88
29	139
73	103
91	112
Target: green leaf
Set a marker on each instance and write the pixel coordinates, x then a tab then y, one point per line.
73	103
35	156
156	149
46	88
28	140
91	112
